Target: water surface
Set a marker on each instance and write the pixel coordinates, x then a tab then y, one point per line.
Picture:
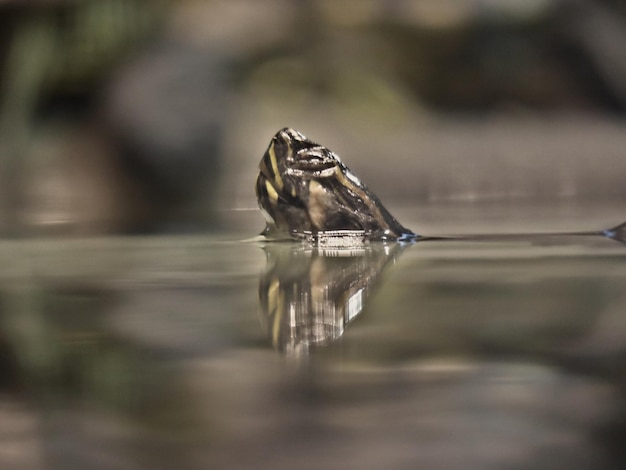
207	352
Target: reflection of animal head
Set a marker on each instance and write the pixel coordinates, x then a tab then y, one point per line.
304	187
307	296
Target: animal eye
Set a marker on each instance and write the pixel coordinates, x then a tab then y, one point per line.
314	159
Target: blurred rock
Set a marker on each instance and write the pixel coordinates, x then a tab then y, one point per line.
54	56
76	186
165	113
488	55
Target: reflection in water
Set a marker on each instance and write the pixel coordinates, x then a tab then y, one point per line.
308	294
142	353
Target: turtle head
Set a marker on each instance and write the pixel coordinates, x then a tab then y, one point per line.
303	187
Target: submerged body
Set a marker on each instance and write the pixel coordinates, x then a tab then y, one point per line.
304	190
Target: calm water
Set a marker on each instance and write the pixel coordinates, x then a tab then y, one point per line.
202	352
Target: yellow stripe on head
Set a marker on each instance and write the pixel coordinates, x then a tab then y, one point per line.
317	205
274	162
271	192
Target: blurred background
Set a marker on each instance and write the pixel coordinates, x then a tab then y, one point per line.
131	116
130	134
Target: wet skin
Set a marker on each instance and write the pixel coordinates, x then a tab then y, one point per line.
304	188
306	192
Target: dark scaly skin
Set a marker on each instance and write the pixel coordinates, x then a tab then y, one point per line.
304	188
306	192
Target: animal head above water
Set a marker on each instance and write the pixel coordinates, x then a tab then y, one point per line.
305	190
